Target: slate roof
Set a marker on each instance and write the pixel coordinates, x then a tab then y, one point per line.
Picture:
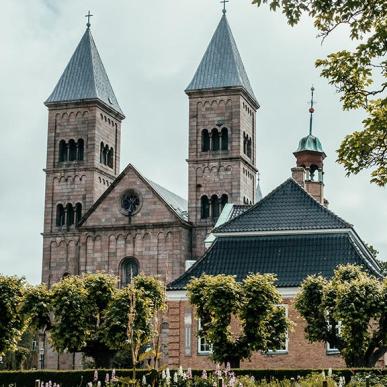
288	207
178	204
290	257
221	65
85	78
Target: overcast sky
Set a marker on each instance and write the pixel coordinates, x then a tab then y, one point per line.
151	50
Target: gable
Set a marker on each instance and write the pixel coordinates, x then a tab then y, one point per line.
288	207
153	208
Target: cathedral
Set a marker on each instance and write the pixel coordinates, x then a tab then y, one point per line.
98	218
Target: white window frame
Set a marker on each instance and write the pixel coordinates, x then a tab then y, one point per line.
202	342
286	349
331	350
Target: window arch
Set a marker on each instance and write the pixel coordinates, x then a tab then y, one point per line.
110	156
215	139
215	207
72	150
62	151
105	154
223	201
128	270
101	152
69	215
205	140
60	215
249	148
78	213
81	149
205	207
224	139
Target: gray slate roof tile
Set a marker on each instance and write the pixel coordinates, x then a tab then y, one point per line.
290	257
221	65
85	78
288	207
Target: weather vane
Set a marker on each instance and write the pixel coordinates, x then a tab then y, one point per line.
89	15
224	5
311	110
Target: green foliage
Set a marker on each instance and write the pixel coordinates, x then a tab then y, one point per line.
253	303
72	314
115	326
11	321
36	307
349	312
358	75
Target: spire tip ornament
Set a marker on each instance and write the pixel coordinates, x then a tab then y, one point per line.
224	5
89	15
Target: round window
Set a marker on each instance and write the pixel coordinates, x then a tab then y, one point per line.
130	202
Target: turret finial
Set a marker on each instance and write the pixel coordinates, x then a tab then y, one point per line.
311	110
224	5
89	15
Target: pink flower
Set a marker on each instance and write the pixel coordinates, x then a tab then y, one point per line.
107	378
95	376
204	375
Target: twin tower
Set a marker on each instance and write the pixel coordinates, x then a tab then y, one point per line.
98	218
84	131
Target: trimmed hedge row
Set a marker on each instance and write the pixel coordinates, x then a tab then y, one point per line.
82	377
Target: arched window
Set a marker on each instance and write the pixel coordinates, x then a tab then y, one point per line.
312	171
249	148
69	215
105	154
224	139
223	201
101	152
78	213
205	207
215	139
60	215
215	207
110	158
81	149
129	269
205	140
62	151
72	150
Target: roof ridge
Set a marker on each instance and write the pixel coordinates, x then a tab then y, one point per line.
263	200
271	194
90	37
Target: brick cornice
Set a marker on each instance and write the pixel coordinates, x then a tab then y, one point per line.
230	158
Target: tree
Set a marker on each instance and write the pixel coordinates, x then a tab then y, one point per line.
11	321
349	312
79	305
359	75
129	321
253	303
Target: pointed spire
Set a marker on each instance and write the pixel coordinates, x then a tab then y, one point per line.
311	111
221	65
85	78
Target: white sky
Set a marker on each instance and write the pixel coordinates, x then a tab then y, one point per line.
151	50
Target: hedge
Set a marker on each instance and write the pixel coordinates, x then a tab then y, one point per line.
82	377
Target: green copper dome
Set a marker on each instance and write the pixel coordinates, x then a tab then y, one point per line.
310	143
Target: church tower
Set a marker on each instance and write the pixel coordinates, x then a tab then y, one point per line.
83	154
309	172
221	160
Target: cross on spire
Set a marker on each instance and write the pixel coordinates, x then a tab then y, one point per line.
224	5
311	111
89	15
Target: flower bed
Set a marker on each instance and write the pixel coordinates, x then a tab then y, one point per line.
197	378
